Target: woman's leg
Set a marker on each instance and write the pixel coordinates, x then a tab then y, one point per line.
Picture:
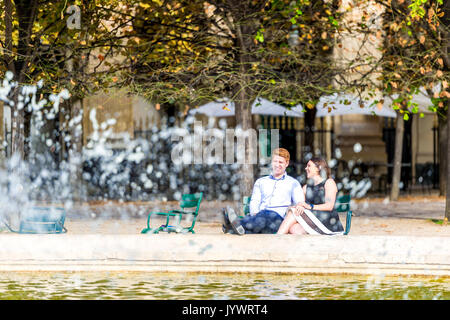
296	228
288	222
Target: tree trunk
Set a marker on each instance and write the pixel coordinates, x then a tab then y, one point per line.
399	128
17	116
8	35
17	127
446	21
442	127
75	149
310	118
244	121
75	131
3	130
447	197
26	14
243	112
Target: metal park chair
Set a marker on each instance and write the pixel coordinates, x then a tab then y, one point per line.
189	202
343	206
41	220
245	206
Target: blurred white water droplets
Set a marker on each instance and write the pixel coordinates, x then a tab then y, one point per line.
39	177
114	165
123	165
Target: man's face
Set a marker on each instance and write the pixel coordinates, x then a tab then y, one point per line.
279	165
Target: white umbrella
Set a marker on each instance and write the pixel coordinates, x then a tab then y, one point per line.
221	108
342	104
225	108
266	107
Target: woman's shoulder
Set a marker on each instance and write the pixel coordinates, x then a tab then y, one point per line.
330	182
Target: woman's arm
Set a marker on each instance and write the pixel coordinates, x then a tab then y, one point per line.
330	197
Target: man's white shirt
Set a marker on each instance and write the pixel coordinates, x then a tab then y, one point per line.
275	194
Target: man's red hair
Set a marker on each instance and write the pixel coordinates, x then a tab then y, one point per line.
282	153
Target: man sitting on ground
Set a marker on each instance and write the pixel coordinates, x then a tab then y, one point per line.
271	197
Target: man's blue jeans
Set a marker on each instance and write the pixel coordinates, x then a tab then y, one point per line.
265	221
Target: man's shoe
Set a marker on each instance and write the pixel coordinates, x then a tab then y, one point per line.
226	226
234	221
225	230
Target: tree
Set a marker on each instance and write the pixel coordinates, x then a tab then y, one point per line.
39	45
413	56
197	51
434	17
43	45
417	51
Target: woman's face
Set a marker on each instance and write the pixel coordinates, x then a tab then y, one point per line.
311	170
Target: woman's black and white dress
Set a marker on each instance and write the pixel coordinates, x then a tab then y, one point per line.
316	221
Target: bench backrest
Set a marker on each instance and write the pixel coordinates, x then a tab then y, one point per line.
191	201
343	203
246	205
42	220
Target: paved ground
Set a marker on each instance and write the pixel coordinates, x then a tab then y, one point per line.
386	237
408	216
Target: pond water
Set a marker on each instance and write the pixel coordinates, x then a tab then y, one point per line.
162	286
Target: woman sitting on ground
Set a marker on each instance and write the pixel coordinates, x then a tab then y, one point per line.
317	214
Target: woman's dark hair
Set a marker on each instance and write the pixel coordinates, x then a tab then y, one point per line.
322	165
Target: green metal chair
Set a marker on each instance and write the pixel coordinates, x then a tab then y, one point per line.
41	220
245	206
343	206
188	201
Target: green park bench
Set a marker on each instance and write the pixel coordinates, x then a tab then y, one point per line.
245	206
41	220
190	202
342	206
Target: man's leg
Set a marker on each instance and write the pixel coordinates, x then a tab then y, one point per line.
234	221
273	222
226	226
252	224
265	221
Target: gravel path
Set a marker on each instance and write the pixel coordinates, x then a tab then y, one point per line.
408	216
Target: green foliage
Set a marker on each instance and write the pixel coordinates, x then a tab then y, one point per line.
412	54
438	221
418	7
195	51
50	45
260	35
